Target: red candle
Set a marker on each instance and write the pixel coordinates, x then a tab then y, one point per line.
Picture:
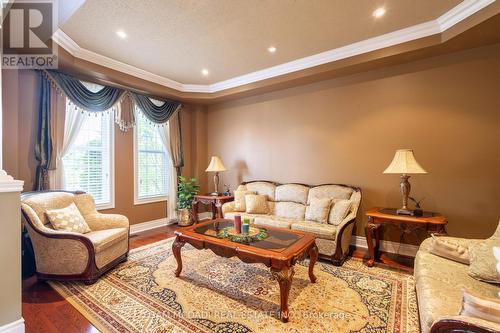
237	224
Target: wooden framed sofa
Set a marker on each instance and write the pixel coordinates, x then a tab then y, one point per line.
287	205
63	255
440	283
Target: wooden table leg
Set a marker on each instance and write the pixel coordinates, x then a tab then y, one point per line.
218	207
284	277
176	249
194	211
372	233
214	210
313	257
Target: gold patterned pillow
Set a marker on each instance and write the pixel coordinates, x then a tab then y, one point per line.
339	211
482	261
68	219
478	306
239	200
318	209
256	204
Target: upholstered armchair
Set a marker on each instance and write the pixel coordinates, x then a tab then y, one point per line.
63	255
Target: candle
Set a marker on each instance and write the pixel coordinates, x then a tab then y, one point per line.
237	224
245	228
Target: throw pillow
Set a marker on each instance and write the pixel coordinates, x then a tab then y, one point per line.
339	211
318	210
68	219
239	200
256	204
482	261
447	248
478	306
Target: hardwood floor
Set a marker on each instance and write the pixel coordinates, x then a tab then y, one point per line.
45	311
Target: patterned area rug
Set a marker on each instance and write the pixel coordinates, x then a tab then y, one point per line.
215	294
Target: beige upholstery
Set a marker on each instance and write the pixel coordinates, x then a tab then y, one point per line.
287	205
61	253
439	283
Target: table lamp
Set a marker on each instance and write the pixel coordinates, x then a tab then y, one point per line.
216	166
404	163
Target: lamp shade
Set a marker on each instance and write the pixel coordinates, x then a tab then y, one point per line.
404	162
215	165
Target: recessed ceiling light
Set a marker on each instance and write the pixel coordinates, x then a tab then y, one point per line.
379	12
271	49
122	34
204	72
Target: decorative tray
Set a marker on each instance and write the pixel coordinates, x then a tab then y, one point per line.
254	234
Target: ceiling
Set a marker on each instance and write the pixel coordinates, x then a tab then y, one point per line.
176	39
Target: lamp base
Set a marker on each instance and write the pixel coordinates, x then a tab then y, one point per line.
215	194
404	211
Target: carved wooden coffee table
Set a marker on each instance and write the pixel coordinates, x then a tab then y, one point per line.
279	251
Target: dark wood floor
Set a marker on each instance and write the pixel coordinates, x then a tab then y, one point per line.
45	311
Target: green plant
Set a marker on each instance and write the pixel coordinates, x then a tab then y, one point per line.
186	190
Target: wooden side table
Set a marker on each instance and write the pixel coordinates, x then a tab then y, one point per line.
431	222
215	201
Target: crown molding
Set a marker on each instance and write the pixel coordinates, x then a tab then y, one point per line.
426	29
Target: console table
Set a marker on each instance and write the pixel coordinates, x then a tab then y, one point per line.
431	222
215	202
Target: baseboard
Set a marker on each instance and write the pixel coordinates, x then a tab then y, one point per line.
149	225
155	224
14	327
387	246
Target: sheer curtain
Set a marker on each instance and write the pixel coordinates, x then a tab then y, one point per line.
163	131
72	124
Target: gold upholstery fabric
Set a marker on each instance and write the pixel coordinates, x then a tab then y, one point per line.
263	188
330	191
439	284
292	192
102	239
482	261
290	210
321	230
318	210
256	204
68	219
272	222
65	255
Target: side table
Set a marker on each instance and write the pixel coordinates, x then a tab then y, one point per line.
215	201
431	222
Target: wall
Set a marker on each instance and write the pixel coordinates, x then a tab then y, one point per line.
346	131
20	121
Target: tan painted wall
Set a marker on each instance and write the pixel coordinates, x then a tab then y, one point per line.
20	119
346	131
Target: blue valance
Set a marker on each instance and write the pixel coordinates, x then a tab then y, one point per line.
158	114
82	97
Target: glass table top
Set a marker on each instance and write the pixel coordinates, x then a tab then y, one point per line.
276	239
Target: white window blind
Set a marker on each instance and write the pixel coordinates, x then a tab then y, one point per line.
151	162
88	164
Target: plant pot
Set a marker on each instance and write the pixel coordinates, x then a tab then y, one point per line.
184	217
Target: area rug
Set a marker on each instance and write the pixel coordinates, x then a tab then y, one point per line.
215	294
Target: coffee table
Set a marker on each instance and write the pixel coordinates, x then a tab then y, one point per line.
279	251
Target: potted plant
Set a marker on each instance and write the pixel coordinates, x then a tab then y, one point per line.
186	190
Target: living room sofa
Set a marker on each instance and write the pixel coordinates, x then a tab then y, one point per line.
66	255
439	284
287	204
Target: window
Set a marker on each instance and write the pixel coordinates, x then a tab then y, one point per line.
152	162
88	165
